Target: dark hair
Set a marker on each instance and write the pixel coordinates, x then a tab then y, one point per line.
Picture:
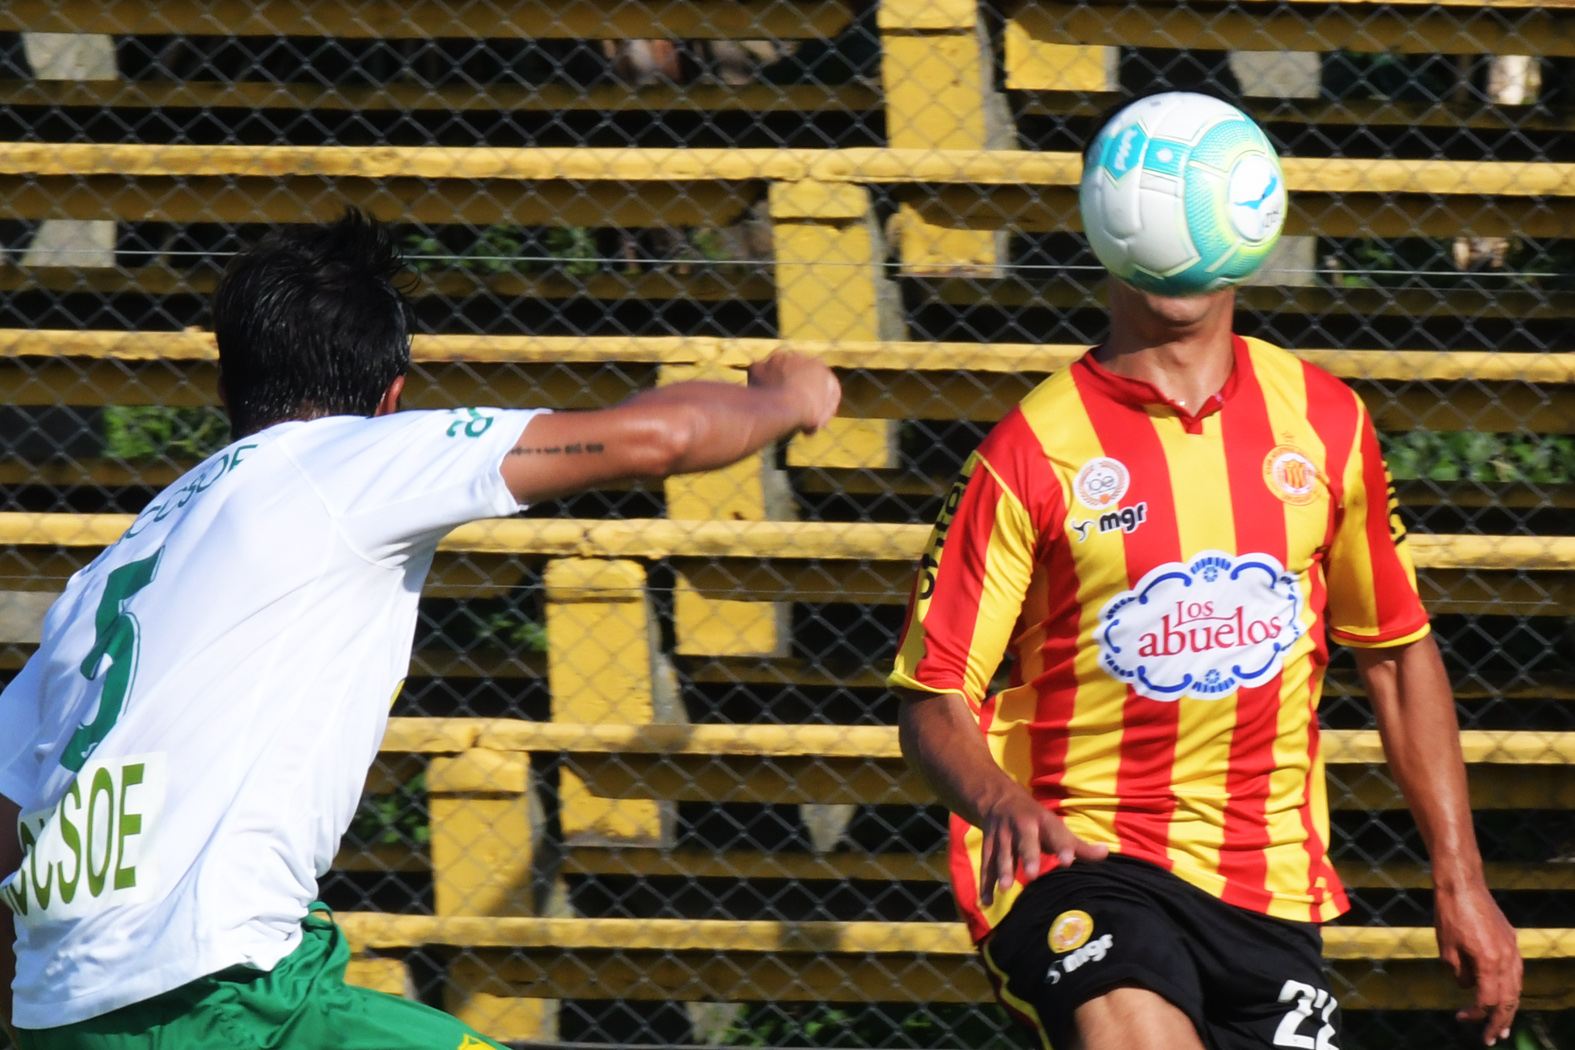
1112	111
310	323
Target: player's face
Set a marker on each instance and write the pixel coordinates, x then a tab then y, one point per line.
1159	313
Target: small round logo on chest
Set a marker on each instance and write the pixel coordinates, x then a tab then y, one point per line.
1101	482
1291	475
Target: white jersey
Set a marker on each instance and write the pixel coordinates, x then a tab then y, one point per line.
192	737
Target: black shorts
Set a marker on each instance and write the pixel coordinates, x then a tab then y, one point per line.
1245	979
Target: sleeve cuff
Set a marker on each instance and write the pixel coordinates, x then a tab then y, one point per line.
902	680
1381	641
504	503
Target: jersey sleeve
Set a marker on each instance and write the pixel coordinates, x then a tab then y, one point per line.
1373	599
970	588
396	484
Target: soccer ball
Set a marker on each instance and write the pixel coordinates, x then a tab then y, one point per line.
1182	194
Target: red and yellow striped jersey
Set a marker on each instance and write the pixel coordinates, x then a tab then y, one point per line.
1163	582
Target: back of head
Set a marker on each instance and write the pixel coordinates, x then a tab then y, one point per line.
310	323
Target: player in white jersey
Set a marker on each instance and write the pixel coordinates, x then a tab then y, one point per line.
183	753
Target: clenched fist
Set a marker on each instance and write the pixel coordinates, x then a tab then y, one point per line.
811	385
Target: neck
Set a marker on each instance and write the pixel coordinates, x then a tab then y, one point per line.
1181	347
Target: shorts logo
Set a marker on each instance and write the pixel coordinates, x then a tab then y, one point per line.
470	1042
1202	628
1070	930
1291	475
1101	482
1092	952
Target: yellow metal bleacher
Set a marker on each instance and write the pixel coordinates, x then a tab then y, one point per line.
738	561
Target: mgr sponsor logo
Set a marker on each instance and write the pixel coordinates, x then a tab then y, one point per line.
1127	520
93	849
1202	628
1100	483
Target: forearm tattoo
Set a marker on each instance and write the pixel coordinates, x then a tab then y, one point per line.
588	448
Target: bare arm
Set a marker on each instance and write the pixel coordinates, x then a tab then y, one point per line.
10	860
941	742
677	429
1415	708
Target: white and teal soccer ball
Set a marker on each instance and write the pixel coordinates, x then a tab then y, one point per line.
1182	194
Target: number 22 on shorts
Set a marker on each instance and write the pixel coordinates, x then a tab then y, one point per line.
117	639
1307	999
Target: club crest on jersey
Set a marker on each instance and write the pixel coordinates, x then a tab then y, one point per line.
1071	929
1101	482
1291	475
1202	628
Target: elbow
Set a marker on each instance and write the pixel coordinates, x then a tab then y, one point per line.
908	741
909	729
930	723
667	443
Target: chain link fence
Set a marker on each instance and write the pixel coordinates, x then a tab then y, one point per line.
642	785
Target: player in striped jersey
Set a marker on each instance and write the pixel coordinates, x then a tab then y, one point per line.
1162	538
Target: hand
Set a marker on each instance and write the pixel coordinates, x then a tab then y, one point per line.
1019	830
1478	944
813	386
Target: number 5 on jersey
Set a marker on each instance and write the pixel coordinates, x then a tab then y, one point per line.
116	641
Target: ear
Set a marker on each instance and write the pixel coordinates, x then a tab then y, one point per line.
390	400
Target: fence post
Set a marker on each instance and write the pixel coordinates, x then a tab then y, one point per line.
486	827
938	72
602	667
478	995
750	490
829	256
830	287
380	974
75	243
484	833
1038	65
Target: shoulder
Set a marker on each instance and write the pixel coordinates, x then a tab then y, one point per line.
330	430
1053	396
1275	365
1014	451
355	436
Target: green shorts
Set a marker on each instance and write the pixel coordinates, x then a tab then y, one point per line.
303	1004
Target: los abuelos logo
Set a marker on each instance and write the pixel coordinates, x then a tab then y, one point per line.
1291	475
1100	483
1202	628
1070	930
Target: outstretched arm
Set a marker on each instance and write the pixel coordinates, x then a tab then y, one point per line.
941	742
677	429
10	860
1415	708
